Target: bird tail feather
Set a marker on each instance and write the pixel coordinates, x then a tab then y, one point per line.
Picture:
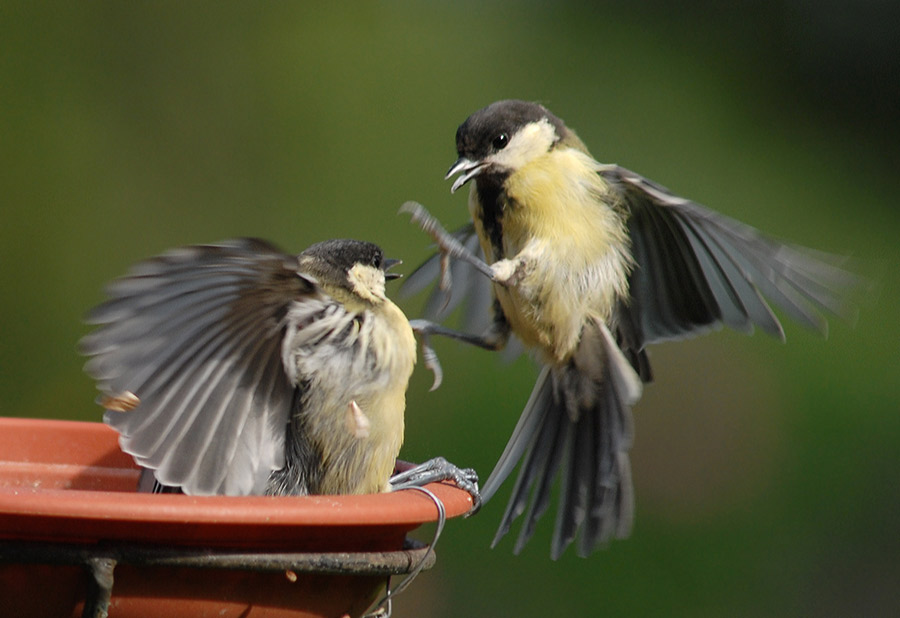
577	419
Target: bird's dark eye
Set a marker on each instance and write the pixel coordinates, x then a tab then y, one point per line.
376	261
500	141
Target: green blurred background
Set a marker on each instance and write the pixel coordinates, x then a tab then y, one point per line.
766	475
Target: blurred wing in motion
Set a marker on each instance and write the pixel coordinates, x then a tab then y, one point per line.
192	341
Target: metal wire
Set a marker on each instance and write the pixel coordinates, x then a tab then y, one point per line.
384	607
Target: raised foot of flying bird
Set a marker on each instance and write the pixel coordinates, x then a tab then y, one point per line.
505	272
436	470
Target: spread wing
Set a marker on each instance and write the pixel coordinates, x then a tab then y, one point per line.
196	335
696	269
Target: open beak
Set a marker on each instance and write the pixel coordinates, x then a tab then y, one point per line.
467	169
388	264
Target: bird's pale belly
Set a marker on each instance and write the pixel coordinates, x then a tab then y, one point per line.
547	309
360	422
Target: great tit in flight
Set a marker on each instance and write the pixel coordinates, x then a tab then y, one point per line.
588	264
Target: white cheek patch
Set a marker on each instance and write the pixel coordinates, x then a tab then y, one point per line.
367	282
530	142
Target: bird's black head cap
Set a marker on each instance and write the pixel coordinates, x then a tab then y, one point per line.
343	253
334	259
489	129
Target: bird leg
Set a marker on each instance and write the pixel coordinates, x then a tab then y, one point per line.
491	340
448	246
508	272
436	470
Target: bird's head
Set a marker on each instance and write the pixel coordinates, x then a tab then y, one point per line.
503	137
354	266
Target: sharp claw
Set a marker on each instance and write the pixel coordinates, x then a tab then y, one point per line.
433	364
439	469
430	226
446	281
429	356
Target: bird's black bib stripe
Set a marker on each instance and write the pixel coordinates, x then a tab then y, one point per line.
492	197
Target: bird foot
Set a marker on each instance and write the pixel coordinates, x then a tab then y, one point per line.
447	245
436	470
508	273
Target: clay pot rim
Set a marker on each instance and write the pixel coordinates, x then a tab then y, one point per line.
64	450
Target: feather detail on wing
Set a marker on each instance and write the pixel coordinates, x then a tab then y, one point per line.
196	335
696	269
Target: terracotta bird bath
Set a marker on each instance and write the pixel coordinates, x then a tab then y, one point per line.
73	528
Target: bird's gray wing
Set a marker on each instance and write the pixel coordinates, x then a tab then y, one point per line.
196	335
696	269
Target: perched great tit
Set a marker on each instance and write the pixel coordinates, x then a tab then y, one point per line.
589	264
238	369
